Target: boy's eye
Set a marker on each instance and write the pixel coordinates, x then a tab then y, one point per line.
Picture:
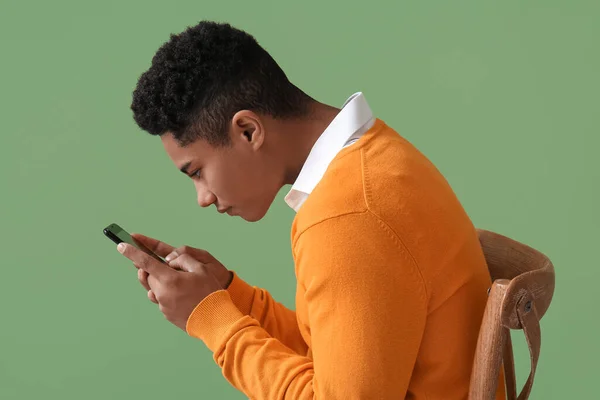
196	174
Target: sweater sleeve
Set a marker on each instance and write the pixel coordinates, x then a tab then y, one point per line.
278	320
366	304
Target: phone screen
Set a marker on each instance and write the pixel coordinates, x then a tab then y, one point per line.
118	235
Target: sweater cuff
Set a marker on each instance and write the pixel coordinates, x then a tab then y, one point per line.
213	319
242	294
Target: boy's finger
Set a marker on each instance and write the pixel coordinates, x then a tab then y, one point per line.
155	245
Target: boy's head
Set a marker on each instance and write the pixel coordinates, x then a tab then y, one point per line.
217	100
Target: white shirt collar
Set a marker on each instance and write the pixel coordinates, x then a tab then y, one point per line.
354	119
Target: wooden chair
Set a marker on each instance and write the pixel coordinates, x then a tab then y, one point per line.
521	291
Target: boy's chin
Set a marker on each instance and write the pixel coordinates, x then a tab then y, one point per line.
253	216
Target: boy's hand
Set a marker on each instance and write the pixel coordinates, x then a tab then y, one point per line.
157	247
223	275
169	253
177	291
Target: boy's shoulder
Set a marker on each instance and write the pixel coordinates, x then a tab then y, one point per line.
373	173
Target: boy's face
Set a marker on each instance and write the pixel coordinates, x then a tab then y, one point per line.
238	178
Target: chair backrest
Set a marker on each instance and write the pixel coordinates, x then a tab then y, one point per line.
521	292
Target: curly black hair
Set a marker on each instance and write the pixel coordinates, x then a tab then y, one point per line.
201	77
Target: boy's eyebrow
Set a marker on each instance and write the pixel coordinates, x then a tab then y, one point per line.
184	167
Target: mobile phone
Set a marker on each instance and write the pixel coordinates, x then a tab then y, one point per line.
118	235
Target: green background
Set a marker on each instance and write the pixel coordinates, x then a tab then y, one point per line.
503	96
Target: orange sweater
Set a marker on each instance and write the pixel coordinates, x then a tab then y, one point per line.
391	288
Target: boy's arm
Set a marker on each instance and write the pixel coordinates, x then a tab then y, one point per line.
366	304
278	320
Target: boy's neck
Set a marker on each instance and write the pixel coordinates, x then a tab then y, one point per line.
300	136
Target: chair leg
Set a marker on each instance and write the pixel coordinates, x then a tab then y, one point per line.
488	355
509	367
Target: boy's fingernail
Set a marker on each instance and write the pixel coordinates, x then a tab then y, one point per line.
121	247
170	257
